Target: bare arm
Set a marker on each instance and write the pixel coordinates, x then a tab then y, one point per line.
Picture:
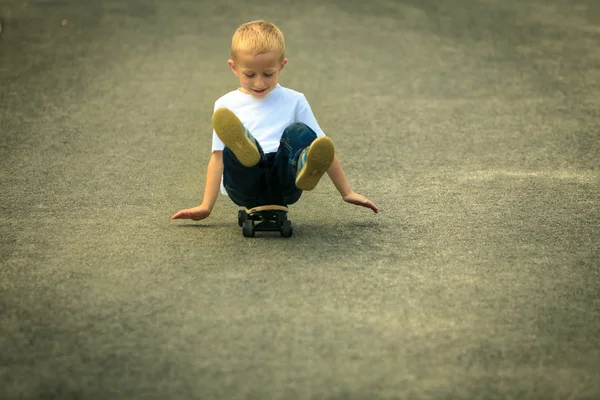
337	176
214	172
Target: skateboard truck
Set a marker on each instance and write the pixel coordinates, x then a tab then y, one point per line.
265	218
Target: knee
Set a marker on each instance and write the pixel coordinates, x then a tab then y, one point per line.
299	125
299	129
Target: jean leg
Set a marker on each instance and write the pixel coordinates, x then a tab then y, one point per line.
244	185
295	138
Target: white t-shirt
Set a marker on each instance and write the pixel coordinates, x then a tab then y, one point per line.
267	118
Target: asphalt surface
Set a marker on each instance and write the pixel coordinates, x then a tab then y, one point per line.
473	125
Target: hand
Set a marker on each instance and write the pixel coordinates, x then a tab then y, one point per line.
196	213
357	199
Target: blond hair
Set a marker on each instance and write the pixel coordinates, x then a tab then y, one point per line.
258	37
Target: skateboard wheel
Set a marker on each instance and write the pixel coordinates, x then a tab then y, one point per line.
286	228
248	228
242	216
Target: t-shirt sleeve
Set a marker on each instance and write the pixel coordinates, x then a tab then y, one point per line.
217	144
304	114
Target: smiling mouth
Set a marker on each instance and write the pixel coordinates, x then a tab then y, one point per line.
259	91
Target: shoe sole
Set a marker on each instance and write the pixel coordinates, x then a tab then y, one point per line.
318	160
230	130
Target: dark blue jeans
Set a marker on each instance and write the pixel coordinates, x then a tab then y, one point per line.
273	179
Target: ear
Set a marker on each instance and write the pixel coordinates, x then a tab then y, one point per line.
233	67
285	60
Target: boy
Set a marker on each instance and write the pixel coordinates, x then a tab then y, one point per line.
267	145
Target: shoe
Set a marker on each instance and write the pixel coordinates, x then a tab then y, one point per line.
236	137
313	162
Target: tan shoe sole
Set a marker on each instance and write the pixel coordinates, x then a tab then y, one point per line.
318	160
230	130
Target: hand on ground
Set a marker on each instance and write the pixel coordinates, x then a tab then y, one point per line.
357	199
196	213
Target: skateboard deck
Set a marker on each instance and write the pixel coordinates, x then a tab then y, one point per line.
255	210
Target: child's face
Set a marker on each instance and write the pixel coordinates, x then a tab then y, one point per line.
258	73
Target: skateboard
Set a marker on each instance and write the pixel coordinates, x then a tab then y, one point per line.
265	218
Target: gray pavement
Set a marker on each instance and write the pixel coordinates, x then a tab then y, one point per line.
473	125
